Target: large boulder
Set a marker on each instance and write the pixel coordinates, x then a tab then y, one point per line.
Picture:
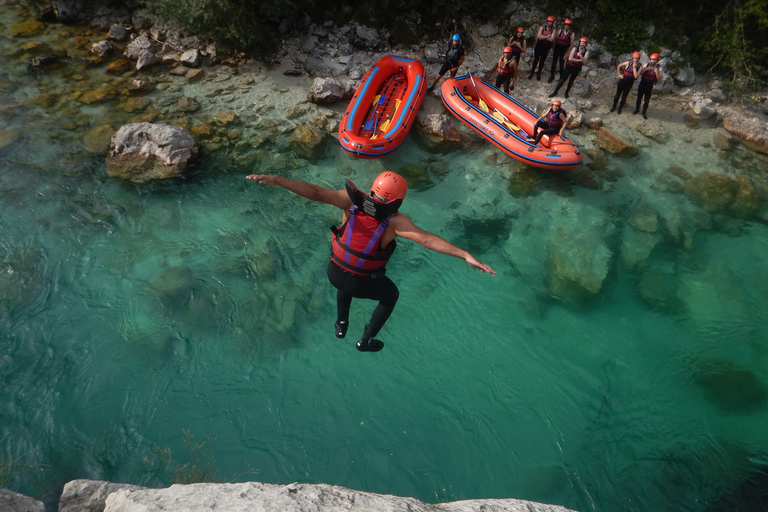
612	143
259	497
326	91
307	142
437	131
89	495
712	191
750	130
579	262
144	151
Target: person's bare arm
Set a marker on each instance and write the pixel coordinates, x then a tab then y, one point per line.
405	228
337	198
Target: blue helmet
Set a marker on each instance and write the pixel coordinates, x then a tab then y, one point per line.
456	37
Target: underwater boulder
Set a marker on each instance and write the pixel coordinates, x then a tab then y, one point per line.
307	142
613	143
711	191
578	263
729	387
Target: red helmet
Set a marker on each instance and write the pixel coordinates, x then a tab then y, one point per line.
390	186
636	55
654	56
551	18
520	29
583	40
567	21
507	49
557	103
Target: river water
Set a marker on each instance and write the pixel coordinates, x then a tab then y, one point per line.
183	330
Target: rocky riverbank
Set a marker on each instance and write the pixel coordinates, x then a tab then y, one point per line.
96	496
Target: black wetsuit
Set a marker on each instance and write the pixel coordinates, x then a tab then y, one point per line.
647	81
349	286
540	51
558	52
623	87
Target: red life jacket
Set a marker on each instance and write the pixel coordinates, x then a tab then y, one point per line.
553	118
356	245
577	64
503	68
649	75
564	39
629	72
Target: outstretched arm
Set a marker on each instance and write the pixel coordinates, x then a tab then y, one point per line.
337	198
407	229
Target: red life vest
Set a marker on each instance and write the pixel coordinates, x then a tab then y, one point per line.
564	39
629	72
356	245
577	64
504	68
546	32
553	118
649	75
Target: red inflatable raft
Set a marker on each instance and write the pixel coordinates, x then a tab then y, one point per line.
384	107
506	123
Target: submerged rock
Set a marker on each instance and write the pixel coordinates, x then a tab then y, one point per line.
579	262
730	388
143	151
711	191
307	142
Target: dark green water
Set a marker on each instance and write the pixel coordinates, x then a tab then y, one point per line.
137	319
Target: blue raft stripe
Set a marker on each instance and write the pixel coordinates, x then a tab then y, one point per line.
494	139
353	110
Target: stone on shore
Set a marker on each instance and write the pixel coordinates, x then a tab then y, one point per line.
144	151
326	91
260	497
751	131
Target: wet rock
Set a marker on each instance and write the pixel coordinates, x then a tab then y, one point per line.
659	291
118	66
43	62
8	137
729	387
97	95
597	160
523	182
615	144
437	131
721	139
578	264
326	91
678	171
67	12
134	104
637	245
138	85
751	131
187	105
178	71
746	203
45	100
101	48
27	28
644	218
96	140
143	151
193	75
307	142
654	130
117	33
690	121
225	118
12	502
711	191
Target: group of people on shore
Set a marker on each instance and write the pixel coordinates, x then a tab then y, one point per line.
568	57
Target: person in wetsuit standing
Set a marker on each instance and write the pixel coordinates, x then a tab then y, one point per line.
363	244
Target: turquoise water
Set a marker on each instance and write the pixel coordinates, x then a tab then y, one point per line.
137	319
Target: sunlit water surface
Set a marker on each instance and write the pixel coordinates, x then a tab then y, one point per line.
138	322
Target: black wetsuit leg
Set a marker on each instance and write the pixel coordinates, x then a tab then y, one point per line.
557	57
540	51
350	286
503	80
644	92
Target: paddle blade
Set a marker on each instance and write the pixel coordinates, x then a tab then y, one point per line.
376	99
483	106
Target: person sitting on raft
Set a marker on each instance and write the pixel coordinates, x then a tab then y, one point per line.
363	244
551	123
